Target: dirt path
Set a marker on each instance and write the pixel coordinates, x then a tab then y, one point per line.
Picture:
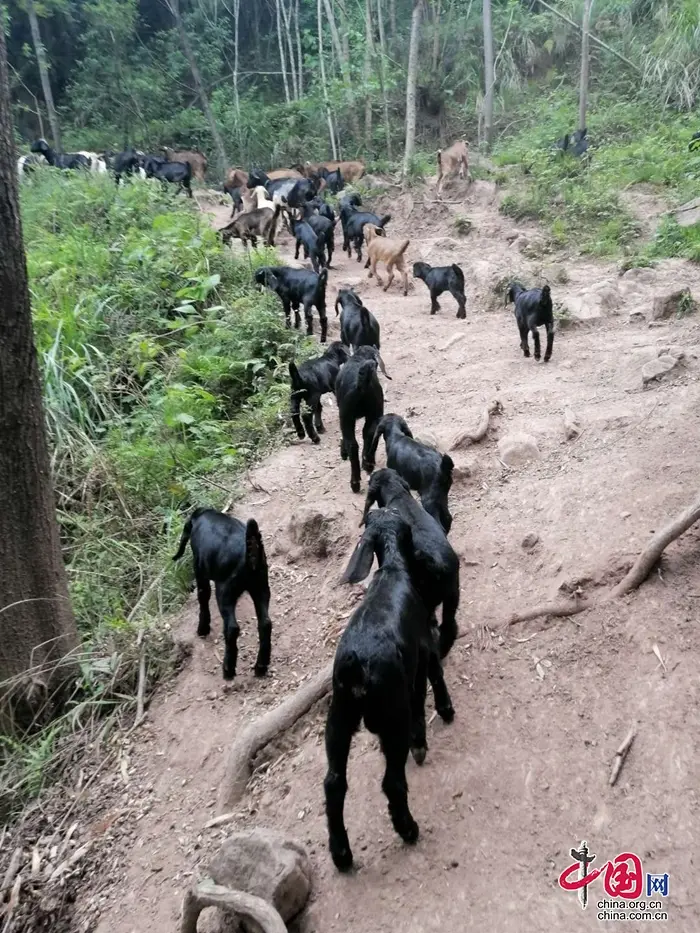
522	774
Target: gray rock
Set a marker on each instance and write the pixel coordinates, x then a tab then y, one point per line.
637	316
637	281
688	214
572	427
530	541
371	181
268	865
517	449
656	369
667	304
318	531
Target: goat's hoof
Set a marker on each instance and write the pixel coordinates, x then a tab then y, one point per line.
355	485
321	429
203	630
547	359
229	674
446	713
260	669
537	357
419	754
342	857
461	315
315	439
409	831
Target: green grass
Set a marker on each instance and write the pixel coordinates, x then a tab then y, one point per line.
164	376
579	200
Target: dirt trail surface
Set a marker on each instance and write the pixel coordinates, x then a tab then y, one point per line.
521	775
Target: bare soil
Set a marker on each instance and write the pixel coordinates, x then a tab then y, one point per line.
521	775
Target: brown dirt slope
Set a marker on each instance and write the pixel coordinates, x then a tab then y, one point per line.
521	776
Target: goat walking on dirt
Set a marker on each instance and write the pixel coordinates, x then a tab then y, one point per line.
390	252
450	161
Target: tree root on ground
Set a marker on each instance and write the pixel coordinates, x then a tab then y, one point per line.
466	438
256	735
208	894
639	572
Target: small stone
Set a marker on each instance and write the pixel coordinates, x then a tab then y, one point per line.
637	316
530	541
517	449
657	369
572	428
625	514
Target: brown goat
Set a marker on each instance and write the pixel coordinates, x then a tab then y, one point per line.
350	171
451	161
391	252
236	178
248	227
277	173
197	160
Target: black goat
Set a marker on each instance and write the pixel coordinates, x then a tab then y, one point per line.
354	230
303	190
65	160
127	162
533	309
358	326
437	578
325	210
334	181
235	195
424	469
256	177
382	663
576	143
322	226
694	143
310	380
298	288
233	556
177	173
314	249
359	395
441	279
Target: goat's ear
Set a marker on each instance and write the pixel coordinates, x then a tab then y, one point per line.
271	281
361	560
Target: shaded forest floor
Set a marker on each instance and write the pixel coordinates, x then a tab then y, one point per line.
521	775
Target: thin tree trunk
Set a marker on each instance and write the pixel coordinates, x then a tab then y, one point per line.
489	74
585	66
300	53
37	627
324	86
382	78
236	97
44	75
436	36
286	14
344	31
174	7
411	82
344	66
280	43
392	19
367	74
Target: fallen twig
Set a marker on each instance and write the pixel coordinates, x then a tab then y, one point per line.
466	438
208	894
560	610
620	756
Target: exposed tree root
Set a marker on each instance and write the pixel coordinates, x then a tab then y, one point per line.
640	570
255	736
208	894
466	438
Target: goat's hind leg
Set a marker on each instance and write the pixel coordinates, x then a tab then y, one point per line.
434	303
261	601
536	340
342	723
295	407
523	339
441	696
395	739
461	300
368	455
310	416
550	342
317	408
226	598
419	743
203	596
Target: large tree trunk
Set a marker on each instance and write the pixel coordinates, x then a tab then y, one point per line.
436	36
382	78
174	7
489	74
324	87
367	74
411	82
44	75
583	92
36	622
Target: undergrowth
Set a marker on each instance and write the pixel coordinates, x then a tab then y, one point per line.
164	377
589	202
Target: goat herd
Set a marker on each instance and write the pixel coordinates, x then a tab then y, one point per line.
392	645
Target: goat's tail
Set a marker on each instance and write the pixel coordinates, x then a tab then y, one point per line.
384	221
351	674
458	272
254	549
295	378
186	532
404	247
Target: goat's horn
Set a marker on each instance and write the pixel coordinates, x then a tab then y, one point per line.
381	365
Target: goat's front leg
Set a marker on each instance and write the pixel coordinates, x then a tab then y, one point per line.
317	408
419	742
390	270
368	448
373	272
261	601
523	339
434	303
550	342
308	417
286	305
226	599
323	318
461	300
342	723
358	247
395	741
405	279
536	340
203	596
309	317
349	448
443	701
